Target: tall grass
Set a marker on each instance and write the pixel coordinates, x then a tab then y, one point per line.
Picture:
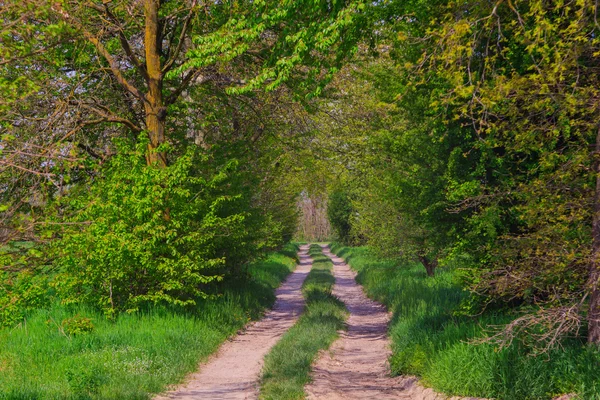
429	340
136	355
288	364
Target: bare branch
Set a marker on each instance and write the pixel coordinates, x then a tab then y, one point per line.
169	64
114	67
108	116
122	38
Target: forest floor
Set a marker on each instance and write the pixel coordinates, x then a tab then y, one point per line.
355	367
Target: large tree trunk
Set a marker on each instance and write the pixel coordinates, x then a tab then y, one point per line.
156	112
594	274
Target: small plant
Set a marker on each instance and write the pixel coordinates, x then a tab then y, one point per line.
85	382
77	325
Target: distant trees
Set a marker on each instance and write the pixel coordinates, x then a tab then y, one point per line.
313	224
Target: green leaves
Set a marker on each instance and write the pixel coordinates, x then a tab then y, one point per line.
339	212
290	35
148	235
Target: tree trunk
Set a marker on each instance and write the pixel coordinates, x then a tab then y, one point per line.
594	274
429	265
155	110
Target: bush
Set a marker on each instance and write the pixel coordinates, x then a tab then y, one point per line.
142	234
77	325
19	292
339	212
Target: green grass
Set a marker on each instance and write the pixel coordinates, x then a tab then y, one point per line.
287	366
430	341
137	354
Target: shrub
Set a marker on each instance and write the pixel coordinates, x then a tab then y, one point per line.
19	292
339	212
142	234
77	325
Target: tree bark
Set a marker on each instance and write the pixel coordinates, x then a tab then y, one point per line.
594	273
154	108
429	265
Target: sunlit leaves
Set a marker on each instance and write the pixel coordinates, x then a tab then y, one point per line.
313	35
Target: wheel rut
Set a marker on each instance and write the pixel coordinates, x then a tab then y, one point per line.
234	371
356	366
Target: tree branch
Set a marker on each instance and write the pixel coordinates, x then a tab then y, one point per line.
103	52
123	39
169	64
108	116
189	77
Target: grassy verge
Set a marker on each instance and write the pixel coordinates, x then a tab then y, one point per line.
287	366
137	354
432	342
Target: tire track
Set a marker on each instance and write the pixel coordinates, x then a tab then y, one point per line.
234	371
356	366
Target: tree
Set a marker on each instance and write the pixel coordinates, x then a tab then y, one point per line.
522	76
177	76
339	211
395	169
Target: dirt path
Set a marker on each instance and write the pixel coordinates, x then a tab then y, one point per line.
355	367
233	372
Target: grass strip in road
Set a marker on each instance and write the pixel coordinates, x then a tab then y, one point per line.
431	340
137	354
288	365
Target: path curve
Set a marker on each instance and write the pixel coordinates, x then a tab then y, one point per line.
356	367
234	371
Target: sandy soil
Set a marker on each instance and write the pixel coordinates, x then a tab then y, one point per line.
355	367
233	372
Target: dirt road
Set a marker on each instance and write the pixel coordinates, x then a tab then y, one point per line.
355	367
233	372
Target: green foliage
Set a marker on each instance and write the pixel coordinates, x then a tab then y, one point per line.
520	109
431	340
478	145
398	173
288	364
20	293
135	355
149	235
302	34
339	212
77	325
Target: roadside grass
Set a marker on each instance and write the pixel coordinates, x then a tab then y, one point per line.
429	340
138	354
288	364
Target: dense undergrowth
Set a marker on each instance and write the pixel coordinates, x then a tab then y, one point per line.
76	353
288	364
432	341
